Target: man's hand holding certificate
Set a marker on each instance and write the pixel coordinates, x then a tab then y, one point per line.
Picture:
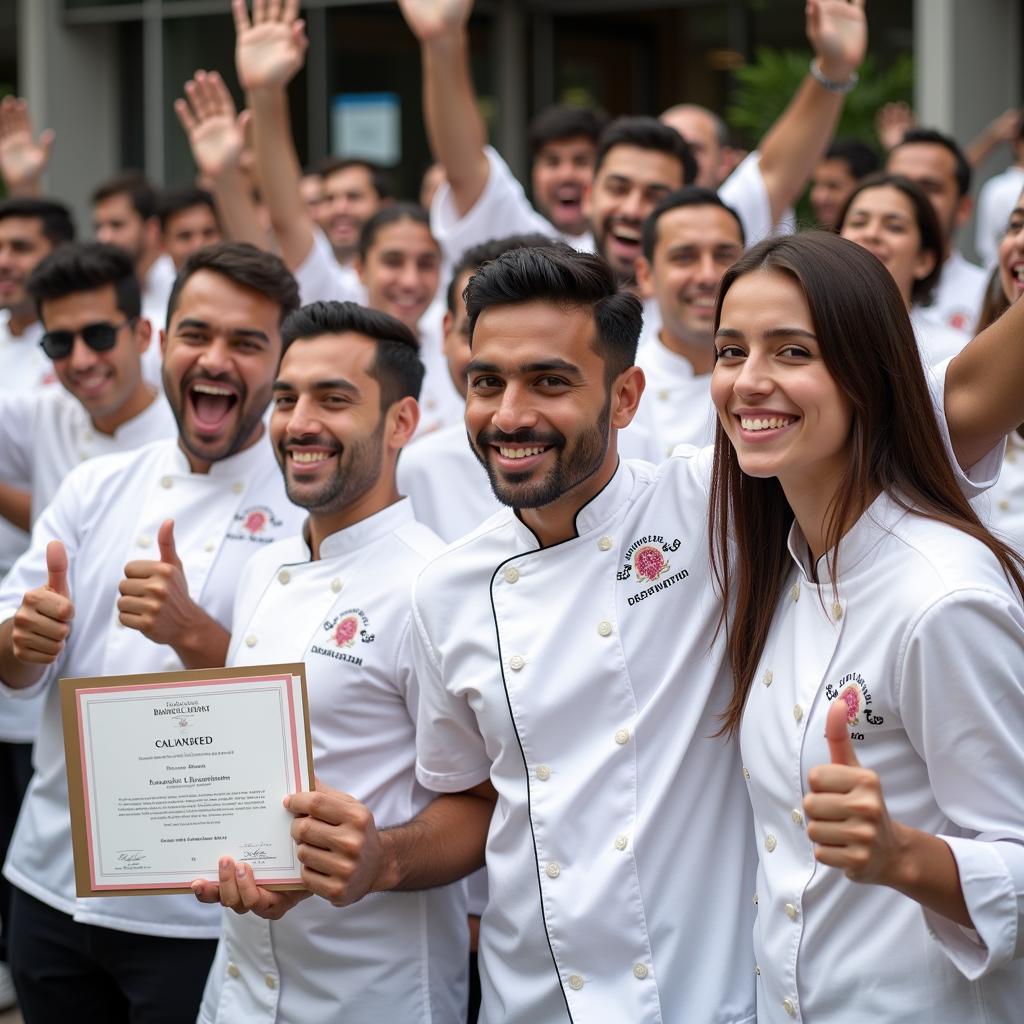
174	777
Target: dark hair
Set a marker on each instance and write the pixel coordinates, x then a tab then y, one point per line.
691	195
647	133
555	124
932	238
380	179
174	201
931	137
868	346
244	265
858	156
391	214
476	256
564	277
133	184
56	223
396	367
85	267
994	303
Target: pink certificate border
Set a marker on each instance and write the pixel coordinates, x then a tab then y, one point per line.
289	681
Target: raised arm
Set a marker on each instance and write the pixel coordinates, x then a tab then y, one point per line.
454	126
216	135
838	33
1005	129
269	51
23	157
984	393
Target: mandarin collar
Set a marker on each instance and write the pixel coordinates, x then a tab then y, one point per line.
362	534
239	465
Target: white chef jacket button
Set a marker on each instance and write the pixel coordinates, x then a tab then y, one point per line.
1003	505
622	737
757	970
770	842
143	540
604	628
209	546
604	544
511	574
789	1006
575	982
543	772
837	610
166	483
516	662
238	487
754	899
284	576
640	972
233	970
746	773
621	842
663	394
553	870
768	677
270	981
798	712
798	818
250	640
335	584
790	911
794	592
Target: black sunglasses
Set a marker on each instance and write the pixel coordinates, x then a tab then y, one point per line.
99	337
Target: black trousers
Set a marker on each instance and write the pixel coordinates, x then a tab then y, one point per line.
15	774
66	971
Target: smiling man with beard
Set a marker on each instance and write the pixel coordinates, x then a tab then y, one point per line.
133	568
337	597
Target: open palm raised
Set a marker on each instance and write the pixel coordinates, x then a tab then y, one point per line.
270	49
429	19
838	32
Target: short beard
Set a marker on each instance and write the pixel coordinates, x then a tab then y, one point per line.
571	468
359	468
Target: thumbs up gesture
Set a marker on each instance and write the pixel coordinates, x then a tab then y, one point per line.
154	595
42	623
846	813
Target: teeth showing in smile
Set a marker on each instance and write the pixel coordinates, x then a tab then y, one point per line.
306	457
212	389
770	423
519	453
1018	271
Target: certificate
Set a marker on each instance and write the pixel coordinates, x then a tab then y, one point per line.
168	772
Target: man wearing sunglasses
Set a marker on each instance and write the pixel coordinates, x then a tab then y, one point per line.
133	568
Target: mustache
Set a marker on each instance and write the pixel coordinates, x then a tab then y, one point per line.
220	378
320	441
520	438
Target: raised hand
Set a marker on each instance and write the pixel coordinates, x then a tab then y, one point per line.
43	622
430	19
838	32
23	157
216	134
270	49
846	813
892	122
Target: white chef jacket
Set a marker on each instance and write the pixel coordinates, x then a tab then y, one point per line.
42	437
440	402
996	201
156	293
397	956
936	342
107	513
503	209
585	681
321	278
924	638
1004	513
958	296
676	406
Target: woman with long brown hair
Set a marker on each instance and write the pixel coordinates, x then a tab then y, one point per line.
871	621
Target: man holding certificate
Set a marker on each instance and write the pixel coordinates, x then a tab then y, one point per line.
337	597
133	568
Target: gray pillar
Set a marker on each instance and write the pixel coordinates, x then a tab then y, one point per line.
510	43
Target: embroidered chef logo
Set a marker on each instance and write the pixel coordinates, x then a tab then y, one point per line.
958	321
646	562
255	524
342	632
854	693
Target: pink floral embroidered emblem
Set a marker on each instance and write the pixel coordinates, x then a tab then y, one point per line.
346	630
649	563
852	697
255	521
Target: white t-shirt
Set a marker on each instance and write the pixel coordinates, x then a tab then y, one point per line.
996	201
441	405
107	513
958	296
156	292
321	278
924	640
397	956
1004	511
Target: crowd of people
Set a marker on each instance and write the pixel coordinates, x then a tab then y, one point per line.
683	542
